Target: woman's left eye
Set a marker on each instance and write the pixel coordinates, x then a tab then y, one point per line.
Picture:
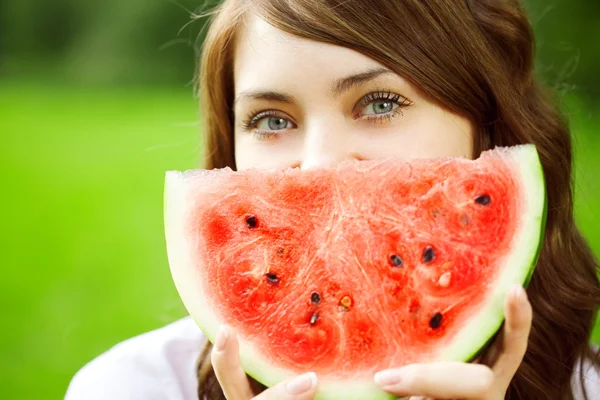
379	106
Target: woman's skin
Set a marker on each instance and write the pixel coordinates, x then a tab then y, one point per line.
306	104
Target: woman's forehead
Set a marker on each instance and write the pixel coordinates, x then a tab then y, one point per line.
265	54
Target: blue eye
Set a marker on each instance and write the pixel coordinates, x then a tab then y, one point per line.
268	124
380	107
273	123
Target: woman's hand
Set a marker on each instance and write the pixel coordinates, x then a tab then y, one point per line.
233	380
455	380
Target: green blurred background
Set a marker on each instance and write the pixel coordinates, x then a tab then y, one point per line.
96	102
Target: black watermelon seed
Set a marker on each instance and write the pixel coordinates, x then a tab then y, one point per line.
435	321
251	221
314	318
315	298
428	254
484	199
272	278
396	260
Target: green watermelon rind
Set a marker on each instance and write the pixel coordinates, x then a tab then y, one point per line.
531	236
477	334
535	161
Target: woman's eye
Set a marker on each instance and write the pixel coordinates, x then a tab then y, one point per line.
379	107
273	124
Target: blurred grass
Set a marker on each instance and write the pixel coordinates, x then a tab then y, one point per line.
83	248
83	241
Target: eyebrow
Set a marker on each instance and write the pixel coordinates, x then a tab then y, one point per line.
339	86
267	95
344	84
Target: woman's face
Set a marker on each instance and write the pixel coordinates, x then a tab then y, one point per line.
305	104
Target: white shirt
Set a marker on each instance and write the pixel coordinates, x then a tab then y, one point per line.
161	364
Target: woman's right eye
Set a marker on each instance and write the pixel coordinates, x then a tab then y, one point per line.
268	124
274	124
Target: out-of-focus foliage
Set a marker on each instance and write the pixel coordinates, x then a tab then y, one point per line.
150	41
100	42
568	44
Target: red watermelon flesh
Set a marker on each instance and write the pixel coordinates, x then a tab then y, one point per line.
349	270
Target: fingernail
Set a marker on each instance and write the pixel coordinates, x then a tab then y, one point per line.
302	384
388	377
519	293
221	338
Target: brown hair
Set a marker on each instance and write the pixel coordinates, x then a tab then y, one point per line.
475	57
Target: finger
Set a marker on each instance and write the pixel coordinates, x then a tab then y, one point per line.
490	354
441	380
515	334
226	364
302	387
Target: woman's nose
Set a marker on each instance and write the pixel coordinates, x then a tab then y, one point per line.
326	145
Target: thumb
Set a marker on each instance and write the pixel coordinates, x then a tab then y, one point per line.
302	387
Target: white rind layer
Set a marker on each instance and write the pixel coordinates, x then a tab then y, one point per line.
516	269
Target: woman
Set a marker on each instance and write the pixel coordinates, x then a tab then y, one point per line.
306	83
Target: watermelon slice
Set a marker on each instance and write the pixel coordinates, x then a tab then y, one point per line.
349	270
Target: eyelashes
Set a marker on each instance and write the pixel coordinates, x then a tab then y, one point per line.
254	117
382	95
